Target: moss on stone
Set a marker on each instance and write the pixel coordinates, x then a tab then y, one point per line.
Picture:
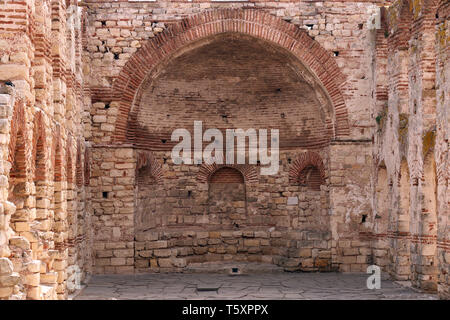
403	127
429	140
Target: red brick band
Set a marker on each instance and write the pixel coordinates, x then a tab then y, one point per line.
207	171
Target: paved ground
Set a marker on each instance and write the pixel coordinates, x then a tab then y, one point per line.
256	286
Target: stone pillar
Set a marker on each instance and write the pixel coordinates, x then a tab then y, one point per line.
112	185
441	151
8	279
350	204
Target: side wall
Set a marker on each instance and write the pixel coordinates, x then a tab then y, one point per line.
44	214
411	143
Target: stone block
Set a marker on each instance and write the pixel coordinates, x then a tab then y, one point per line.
14	72
6	266
9	280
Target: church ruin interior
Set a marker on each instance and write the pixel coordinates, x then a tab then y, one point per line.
91	92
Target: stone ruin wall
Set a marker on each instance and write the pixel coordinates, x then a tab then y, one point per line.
45	214
82	207
411	143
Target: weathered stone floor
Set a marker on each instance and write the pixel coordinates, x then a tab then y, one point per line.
254	286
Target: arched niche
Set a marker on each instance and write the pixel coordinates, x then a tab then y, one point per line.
231	81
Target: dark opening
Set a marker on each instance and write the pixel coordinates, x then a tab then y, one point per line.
364	217
105	194
207	289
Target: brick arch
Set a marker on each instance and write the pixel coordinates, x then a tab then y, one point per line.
207	170
147	159
226	175
306	159
251	22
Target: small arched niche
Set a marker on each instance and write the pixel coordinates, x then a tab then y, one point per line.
311	178
227	198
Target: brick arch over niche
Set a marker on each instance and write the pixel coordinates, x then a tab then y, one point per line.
227	175
145	159
305	160
208	170
250	22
